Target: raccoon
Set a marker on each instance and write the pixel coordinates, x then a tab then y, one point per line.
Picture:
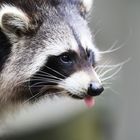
47	49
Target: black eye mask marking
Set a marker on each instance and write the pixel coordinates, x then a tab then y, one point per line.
58	68
5	49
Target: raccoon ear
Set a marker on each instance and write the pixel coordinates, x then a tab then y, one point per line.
86	5
13	20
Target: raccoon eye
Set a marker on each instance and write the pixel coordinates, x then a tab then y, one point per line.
65	58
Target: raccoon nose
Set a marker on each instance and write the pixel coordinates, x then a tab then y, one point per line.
95	89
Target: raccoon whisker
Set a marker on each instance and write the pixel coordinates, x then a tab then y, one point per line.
36	84
119	66
112	49
44	79
106	72
30	88
36	78
47	77
114	91
56	72
102	69
41	84
115	65
97	32
98	69
39	78
21	82
106	83
115	73
34	96
62	92
108	66
45	74
106	87
45	83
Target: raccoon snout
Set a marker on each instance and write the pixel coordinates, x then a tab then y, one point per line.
95	89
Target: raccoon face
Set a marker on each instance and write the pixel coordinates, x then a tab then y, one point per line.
49	50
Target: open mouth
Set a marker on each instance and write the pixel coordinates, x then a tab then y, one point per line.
89	100
76	96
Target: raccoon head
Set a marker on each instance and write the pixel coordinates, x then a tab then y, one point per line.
47	49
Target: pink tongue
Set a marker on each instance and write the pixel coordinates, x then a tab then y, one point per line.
90	101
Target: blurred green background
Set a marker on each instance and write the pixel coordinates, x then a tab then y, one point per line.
116	114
